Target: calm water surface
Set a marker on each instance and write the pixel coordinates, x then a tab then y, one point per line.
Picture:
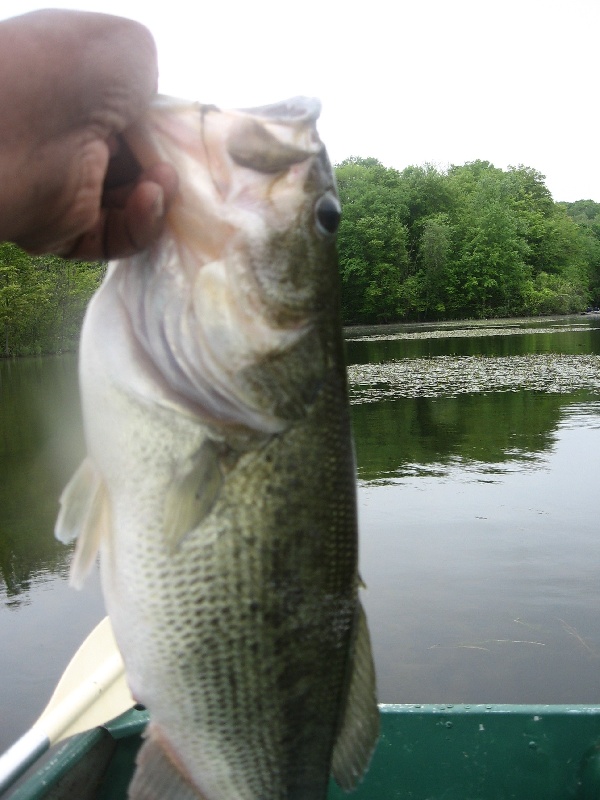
479	462
42	620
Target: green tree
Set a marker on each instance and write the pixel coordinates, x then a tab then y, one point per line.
490	265
586	215
473	241
428	193
15	274
42	301
435	250
372	239
532	201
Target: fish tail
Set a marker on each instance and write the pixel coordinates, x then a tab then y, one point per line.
157	776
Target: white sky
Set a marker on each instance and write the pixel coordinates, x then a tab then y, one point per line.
409	82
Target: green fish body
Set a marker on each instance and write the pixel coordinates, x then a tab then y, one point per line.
219	485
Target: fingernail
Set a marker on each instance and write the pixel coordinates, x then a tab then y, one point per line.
158	207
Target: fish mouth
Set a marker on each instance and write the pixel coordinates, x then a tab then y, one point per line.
296	110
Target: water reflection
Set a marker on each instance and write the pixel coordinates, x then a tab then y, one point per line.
479	533
42	620
374	346
486	590
41	443
40	630
423	436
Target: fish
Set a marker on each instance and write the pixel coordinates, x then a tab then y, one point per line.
219	481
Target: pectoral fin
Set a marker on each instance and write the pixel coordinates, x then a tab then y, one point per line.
193	493
360	725
84	515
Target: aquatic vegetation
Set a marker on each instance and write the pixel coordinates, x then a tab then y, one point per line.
453	375
463	331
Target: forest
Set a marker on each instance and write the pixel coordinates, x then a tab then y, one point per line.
473	241
42	301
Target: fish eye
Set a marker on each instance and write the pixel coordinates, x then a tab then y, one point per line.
327	214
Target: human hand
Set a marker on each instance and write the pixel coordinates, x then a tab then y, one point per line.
70	83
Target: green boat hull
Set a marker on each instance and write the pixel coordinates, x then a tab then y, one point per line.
426	752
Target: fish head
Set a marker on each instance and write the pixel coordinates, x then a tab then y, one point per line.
284	186
232	304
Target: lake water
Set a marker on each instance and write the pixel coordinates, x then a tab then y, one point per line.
478	451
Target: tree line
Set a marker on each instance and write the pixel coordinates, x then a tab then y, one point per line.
417	244
473	241
42	301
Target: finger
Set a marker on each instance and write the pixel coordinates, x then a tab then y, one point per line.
163	174
121	232
55	212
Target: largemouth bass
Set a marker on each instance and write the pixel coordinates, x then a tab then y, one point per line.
219	485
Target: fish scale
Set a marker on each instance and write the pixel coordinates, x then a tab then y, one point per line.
219	486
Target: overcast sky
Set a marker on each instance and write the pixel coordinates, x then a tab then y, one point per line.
439	81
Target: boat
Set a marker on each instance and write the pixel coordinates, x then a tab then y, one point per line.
426	752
